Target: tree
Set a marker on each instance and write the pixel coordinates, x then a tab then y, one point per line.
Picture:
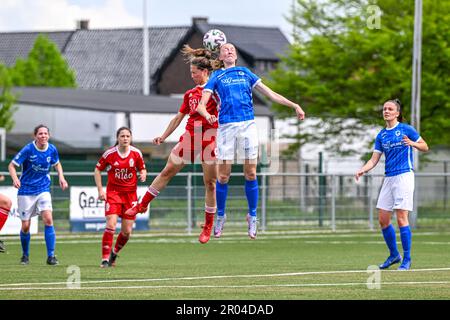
45	67
350	57
7	99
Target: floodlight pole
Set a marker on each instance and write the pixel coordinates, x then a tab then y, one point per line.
415	91
145	55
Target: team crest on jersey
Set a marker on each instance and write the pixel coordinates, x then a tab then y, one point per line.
131	163
241	73
48	159
397	133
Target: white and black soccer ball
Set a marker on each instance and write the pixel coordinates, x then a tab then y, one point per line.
213	39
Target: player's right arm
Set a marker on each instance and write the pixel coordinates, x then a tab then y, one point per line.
376	155
98	183
173	124
13	174
201	108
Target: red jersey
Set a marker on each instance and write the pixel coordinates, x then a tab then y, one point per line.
122	170
189	106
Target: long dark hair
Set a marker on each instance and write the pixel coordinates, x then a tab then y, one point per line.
398	103
118	133
201	57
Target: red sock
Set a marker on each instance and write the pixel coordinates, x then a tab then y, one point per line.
120	242
3	216
107	241
149	196
209	215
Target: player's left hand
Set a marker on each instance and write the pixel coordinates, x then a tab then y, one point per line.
63	184
300	113
407	141
142	177
211	118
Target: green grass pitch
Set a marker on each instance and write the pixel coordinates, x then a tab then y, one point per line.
276	266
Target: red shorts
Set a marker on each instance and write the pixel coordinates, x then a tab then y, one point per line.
197	147
119	202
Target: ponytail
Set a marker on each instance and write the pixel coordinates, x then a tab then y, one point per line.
201	57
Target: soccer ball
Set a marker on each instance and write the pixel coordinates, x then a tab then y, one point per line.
213	39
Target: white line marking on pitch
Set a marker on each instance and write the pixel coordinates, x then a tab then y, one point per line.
291	274
237	286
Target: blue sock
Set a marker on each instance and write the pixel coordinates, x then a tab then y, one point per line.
50	240
221	195
391	241
405	235
25	240
251	191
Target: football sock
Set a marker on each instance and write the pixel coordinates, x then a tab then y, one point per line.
209	215
120	242
221	195
149	196
25	241
405	235
251	191
50	240
107	241
390	239
3	216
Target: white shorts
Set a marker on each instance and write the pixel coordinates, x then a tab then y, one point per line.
237	138
397	192
30	206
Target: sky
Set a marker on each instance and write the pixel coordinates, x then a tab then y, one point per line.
49	15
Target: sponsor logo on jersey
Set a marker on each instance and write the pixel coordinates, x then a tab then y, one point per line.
116	164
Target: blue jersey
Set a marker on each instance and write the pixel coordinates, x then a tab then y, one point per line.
399	157
234	87
36	165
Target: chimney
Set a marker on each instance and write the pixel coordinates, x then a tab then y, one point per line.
198	20
82	24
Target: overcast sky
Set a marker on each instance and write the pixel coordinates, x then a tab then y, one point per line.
46	15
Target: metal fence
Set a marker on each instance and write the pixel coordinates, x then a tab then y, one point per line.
287	201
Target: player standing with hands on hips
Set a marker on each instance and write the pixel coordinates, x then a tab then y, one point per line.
33	197
237	128
396	141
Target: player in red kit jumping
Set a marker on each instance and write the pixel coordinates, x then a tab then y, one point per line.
122	162
199	141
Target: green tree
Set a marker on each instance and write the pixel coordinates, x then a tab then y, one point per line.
7	99
343	66
44	67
